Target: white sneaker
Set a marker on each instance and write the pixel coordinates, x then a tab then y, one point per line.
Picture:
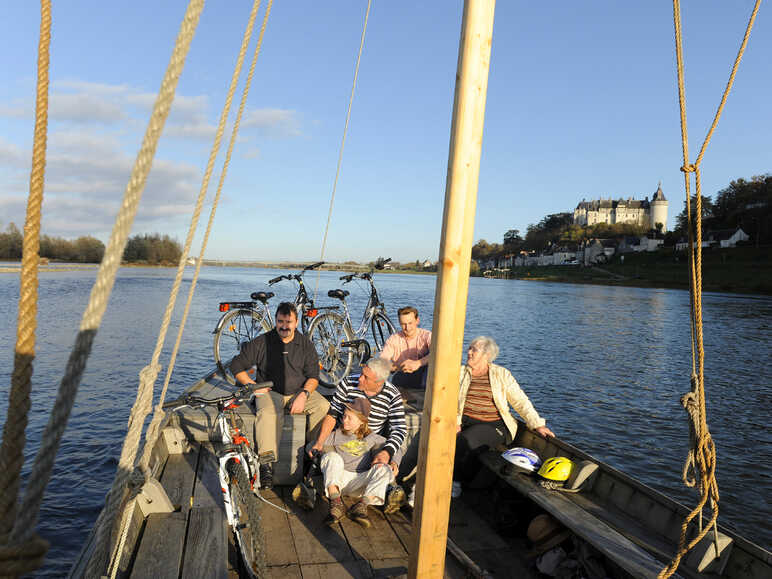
455	492
411	497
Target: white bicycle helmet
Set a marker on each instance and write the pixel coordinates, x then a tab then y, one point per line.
525	458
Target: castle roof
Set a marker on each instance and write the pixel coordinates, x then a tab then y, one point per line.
659	195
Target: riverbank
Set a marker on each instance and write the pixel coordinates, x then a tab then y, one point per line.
735	270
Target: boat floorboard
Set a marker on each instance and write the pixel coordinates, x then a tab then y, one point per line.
195	540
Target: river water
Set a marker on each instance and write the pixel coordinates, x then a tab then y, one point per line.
604	365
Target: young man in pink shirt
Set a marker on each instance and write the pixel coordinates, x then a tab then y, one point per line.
408	351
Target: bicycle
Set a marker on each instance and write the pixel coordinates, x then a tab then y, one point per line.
242	322
239	472
336	342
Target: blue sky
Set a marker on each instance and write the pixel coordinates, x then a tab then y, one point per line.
582	103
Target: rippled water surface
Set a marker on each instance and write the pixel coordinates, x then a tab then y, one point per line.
605	366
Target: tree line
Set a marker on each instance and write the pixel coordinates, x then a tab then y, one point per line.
743	203
152	249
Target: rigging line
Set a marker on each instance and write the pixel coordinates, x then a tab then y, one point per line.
342	145
14	430
704	453
144	398
152	431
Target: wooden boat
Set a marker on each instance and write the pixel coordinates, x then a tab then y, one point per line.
632	528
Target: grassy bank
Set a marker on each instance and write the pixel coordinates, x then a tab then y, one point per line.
741	269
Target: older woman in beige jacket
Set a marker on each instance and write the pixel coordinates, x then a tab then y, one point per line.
484	419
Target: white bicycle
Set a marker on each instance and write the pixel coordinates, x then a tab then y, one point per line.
239	472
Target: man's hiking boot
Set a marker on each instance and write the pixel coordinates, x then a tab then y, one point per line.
266	476
337	510
358	514
394	500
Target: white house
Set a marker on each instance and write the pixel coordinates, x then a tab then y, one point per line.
727	237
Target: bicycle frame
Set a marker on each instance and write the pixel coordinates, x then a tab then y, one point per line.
373	307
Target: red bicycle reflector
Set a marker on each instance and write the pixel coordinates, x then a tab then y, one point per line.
312	313
225	307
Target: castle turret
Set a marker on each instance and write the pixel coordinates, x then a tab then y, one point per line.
659	209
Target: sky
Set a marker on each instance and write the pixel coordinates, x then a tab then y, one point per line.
582	104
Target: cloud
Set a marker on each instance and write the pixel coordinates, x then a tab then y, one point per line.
273	122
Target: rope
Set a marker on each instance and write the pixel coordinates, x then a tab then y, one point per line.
148	375
703	452
153	430
19	557
342	145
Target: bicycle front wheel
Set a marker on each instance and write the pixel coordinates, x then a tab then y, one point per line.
236	328
247	525
381	328
327	332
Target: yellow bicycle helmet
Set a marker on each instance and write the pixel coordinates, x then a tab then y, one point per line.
556	469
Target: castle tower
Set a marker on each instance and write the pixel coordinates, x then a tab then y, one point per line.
659	209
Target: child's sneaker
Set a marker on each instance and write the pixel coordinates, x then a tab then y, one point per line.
358	514
411	497
337	510
394	500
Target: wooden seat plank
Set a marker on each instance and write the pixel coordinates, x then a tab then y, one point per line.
608	541
207	491
314	541
280	547
206	549
178	478
160	551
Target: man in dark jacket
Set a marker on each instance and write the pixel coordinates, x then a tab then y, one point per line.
288	359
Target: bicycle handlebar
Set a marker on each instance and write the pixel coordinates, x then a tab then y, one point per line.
313	265
242	393
274	280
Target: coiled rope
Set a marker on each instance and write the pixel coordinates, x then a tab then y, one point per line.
106	533
703	450
342	146
18	557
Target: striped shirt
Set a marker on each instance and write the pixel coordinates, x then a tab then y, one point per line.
479	400
387	411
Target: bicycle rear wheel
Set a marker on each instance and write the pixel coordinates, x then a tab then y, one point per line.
381	328
236	328
327	332
247	525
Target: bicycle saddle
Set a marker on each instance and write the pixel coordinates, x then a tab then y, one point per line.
262	296
337	293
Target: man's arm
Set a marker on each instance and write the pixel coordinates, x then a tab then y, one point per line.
299	403
397	431
311	373
328	425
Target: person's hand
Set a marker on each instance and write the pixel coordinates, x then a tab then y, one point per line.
394	467
381	458
316	448
298	404
410	366
458	428
545	432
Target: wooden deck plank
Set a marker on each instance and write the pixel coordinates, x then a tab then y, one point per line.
402	527
389	567
206	548
160	552
207	491
284	572
344	570
378	542
471	532
314	541
178	478
280	547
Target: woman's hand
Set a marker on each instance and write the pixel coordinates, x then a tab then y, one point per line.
544	432
458	428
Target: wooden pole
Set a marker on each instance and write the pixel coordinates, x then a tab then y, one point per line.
438	424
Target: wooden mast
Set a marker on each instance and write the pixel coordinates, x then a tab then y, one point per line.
438	424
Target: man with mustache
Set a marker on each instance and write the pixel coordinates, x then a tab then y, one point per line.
288	359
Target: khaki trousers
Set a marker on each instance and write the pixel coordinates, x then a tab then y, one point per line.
269	418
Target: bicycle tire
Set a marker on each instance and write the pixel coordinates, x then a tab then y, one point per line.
247	524
326	332
236	328
381	328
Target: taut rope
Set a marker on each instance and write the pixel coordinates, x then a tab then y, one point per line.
703	451
27	555
342	144
106	531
